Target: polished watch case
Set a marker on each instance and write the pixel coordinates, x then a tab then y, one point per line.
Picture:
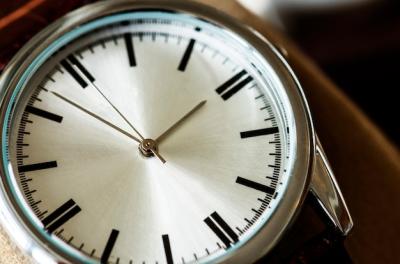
311	171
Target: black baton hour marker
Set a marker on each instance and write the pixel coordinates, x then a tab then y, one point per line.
188	52
223	231
68	67
77	63
37	166
167	249
233	85
255	185
43	113
259	132
61	215
130	50
186	55
109	246
66	63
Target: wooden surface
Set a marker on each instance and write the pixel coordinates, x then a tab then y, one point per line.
9	253
367	166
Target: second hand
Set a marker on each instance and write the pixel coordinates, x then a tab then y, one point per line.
153	150
96	116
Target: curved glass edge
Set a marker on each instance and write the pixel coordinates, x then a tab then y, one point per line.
86	28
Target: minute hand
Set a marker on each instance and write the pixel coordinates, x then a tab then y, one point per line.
180	121
96	116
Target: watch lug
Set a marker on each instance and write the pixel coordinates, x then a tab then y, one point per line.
325	189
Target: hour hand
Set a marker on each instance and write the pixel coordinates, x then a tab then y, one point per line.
180	121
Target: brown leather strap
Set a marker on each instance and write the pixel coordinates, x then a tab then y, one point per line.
20	20
326	248
309	240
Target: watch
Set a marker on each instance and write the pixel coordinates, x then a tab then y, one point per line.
161	132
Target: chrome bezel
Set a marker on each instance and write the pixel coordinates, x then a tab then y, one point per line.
289	206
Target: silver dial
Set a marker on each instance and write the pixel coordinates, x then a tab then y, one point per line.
152	137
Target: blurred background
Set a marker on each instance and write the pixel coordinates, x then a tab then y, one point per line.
356	43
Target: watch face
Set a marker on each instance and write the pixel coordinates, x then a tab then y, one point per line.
149	136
